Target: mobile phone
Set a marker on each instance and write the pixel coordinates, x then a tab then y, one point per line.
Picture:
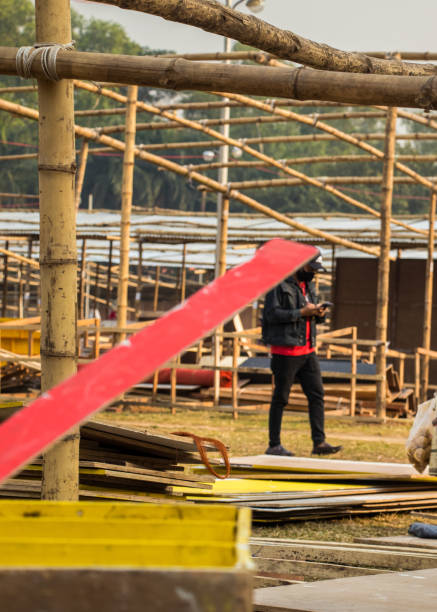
326	304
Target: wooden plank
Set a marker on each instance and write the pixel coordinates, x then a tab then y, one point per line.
404	541
392	560
396	592
311	570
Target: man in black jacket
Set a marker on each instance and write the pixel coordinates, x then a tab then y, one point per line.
291	312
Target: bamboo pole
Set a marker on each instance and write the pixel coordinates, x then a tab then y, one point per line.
28	276
183	272
384	261
139	282
30	262
5	279
83	157
108	281
327	180
363	89
353	392
235	356
82	279
126	207
174	125
58	263
202	144
18	157
224	220
427	314
183	171
218	19
317	159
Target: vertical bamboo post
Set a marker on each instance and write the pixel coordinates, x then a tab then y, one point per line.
384	259
427	315
28	277
221	270
83	158
20	291
417	374
58	259
5	280
353	394
156	291
96	288
82	279
139	280
184	272
173	387
126	207
108	281
235	355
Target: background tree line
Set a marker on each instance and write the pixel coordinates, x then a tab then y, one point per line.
163	189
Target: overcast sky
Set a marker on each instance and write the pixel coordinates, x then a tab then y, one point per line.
373	25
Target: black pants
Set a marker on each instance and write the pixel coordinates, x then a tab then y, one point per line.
306	370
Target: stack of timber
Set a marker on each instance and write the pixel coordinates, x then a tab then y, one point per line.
284	561
123	464
299	488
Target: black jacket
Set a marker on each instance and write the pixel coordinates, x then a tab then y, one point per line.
282	323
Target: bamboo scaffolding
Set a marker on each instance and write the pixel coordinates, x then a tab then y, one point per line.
126	207
384	261
57	245
278	164
181	170
337	133
363	89
218	19
427	314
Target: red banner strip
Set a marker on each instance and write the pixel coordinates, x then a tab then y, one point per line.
54	413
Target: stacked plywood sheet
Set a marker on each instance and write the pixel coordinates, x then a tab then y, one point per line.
124	464
299	488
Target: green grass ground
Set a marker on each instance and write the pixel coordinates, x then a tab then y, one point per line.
247	435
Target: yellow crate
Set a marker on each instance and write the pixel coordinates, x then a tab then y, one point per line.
17	340
106	534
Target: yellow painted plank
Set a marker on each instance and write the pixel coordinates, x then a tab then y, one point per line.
241	485
115	510
105	553
123	529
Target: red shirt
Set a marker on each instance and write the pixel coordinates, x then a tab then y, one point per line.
297	351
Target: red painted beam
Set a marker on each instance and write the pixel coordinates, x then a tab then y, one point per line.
41	423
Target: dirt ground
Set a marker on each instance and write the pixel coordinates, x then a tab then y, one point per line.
247	435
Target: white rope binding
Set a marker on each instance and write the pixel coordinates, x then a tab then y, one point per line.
48	53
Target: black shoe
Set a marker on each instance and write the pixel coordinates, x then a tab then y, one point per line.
326	449
279	450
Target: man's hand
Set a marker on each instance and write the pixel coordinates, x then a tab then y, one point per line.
313	310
